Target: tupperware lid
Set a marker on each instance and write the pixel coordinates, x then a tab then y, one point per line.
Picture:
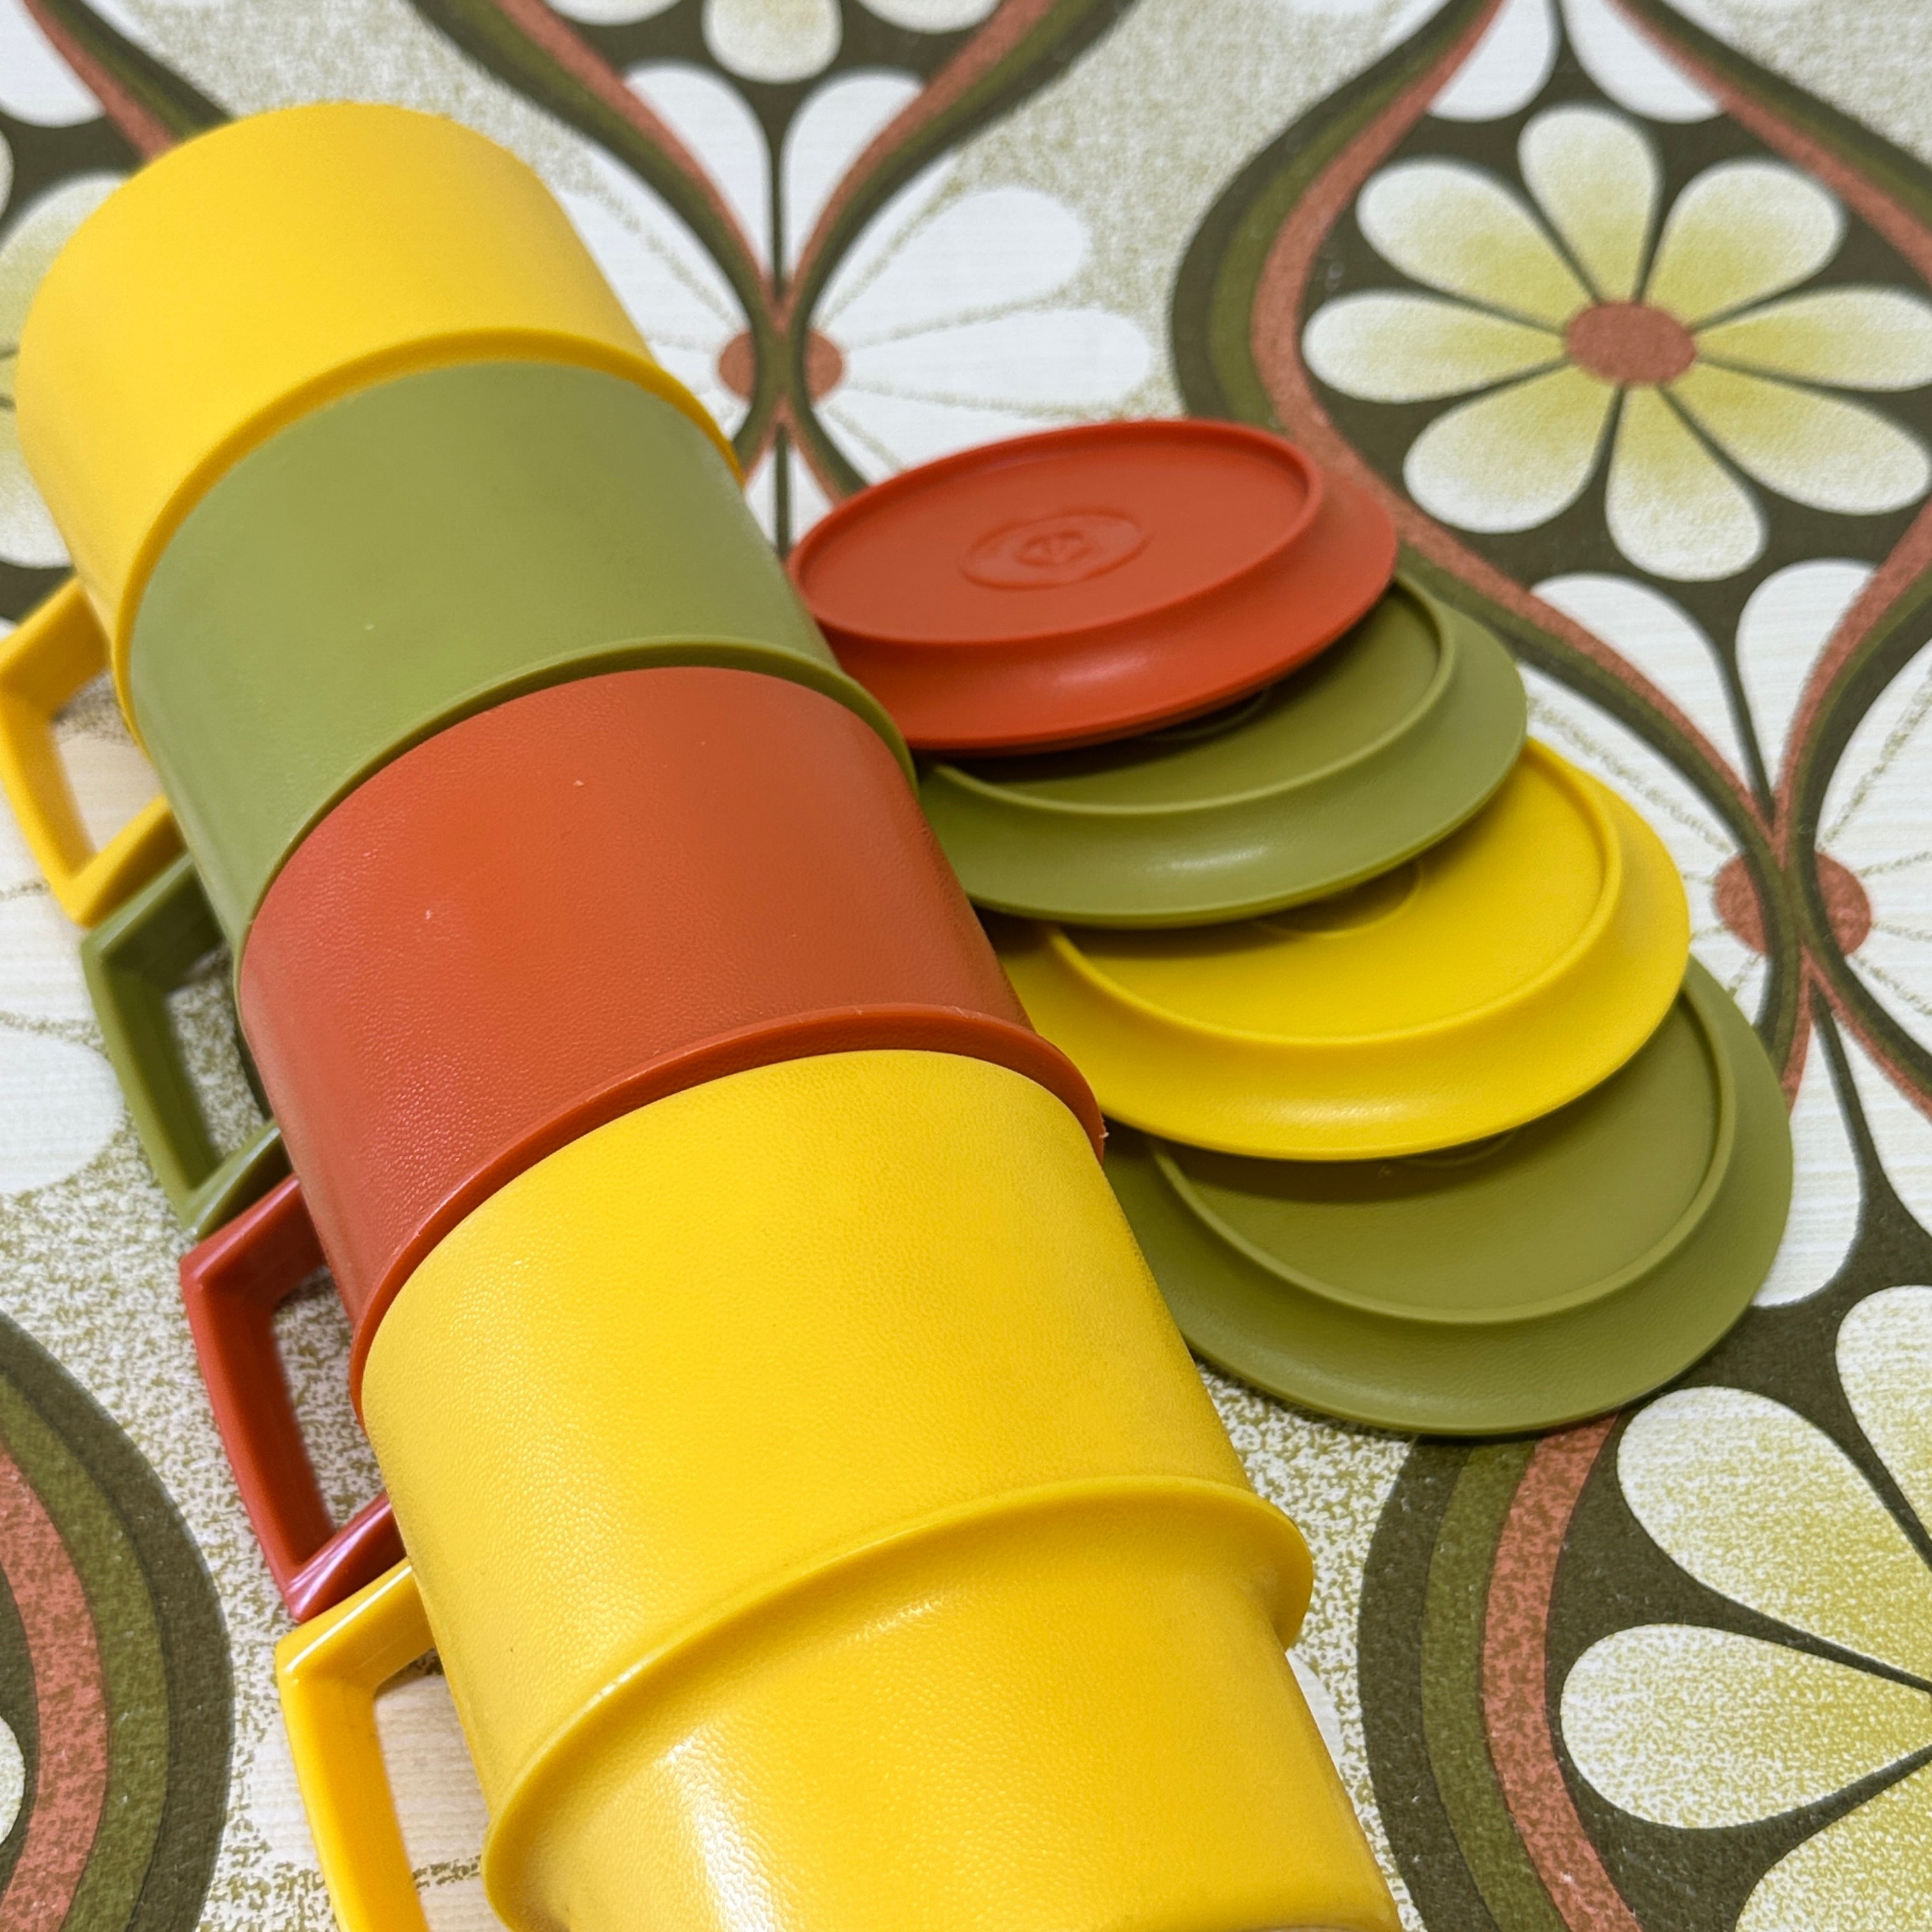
1090	583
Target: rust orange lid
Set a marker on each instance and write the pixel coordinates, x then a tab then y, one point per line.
1087	583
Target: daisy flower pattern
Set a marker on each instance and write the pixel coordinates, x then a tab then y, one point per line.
1687	1726
1584	326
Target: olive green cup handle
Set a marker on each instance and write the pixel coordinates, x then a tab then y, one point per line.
133	960
59	648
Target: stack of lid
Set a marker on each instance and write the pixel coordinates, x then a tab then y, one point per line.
820	1522
1426	1120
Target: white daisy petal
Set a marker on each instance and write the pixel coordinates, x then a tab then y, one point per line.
710	117
671	289
27	532
1698	1728
40	961
882	238
1670	507
612	13
1001	248
1863	1871
1633	71
884	433
1858	338
808	499
1742	230
1698	840
1827	1192
829	132
12	1779
37	234
1514	458
1507	68
932	17
1820	451
1884	1363
1404	348
1900	1133
1646	628
112	781
59	1106
1868	818
1787	621
1459	229
36	85
761	493
1595	177
773	40
1061	359
1761	1505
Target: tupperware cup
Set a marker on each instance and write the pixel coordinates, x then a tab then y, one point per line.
1088	583
418	551
260	270
822	1527
550	914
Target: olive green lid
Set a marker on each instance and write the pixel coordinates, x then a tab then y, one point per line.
1551	1273
1370	754
416	552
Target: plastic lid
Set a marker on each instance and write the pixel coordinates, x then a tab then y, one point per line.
1342	770
1090	582
1546	1274
1503	972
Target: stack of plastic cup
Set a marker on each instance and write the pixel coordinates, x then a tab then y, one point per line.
1424	1122
818	1517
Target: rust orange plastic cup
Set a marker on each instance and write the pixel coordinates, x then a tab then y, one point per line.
594	895
1092	582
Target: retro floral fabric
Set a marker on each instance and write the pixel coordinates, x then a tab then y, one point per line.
1623	307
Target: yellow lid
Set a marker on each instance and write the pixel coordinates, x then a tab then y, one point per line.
1503	972
261	269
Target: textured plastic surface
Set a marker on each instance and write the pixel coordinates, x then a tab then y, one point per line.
1561	1269
1505	972
1382	746
133	961
416	552
580	902
42	664
252	273
231	1284
1091	582
966	1638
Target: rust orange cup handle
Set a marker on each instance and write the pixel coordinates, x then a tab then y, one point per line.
329	1672
231	1285
58	649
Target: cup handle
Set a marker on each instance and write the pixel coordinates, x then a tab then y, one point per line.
231	1284
132	960
58	648
329	1672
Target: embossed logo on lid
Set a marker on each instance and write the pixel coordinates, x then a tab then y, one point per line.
1067	548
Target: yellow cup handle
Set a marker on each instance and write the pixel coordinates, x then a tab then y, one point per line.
55	651
328	1671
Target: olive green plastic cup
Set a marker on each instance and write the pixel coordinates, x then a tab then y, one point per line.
418	552
1384	744
1529	1280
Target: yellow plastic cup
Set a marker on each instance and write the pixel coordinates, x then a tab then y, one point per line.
269	266
822	1527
